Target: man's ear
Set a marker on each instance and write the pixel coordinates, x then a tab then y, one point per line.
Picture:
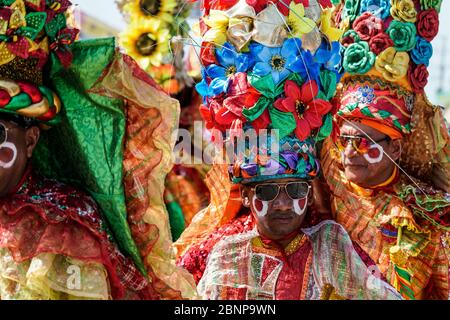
31	140
396	149
245	196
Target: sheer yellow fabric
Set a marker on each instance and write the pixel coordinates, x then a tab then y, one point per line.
51	277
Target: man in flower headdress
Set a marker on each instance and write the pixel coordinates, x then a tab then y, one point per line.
56	242
391	136
282	80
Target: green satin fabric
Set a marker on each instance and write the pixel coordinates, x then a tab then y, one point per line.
86	149
176	219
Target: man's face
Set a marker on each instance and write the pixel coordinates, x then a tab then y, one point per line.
367	169
282	216
16	147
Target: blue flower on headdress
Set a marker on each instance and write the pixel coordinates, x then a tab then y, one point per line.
278	61
379	8
422	52
330	57
230	63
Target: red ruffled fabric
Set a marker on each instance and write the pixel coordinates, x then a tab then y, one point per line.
45	216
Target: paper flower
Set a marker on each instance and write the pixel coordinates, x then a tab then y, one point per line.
276	61
431	4
351	10
358	59
333	34
157	9
218	23
428	24
403	10
403	34
379	8
393	65
418	77
230	63
368	26
308	111
422	52
297	22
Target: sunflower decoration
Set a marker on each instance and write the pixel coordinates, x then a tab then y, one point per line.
147	41
158	9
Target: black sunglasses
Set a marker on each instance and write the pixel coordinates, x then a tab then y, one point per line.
270	191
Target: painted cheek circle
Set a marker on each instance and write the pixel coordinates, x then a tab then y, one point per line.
261	207
299	206
8	155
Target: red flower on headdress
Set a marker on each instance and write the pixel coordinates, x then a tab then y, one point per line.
302	103
380	42
368	26
223	112
60	45
418	77
428	24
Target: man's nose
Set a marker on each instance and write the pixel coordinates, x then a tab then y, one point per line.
350	151
282	202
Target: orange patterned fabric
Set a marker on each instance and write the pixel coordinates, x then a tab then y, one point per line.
373	218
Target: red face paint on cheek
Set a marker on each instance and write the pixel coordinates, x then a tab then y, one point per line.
261	207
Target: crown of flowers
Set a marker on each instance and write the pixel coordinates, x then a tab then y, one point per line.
270	65
389	39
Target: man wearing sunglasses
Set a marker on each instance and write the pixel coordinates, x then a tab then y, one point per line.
390	137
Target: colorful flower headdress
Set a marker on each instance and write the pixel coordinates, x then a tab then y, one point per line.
387	52
270	65
30	31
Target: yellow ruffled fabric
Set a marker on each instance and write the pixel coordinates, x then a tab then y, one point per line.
51	277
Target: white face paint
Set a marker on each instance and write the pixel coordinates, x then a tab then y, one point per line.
12	147
377	159
261	207
297	208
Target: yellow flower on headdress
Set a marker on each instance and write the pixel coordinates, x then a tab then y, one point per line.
147	41
333	34
392	65
144	9
218	23
403	10
297	22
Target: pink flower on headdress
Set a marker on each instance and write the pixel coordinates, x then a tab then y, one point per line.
308	111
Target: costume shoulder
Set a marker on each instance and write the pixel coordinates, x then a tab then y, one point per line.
430	205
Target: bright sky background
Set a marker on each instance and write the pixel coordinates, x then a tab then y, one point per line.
107	11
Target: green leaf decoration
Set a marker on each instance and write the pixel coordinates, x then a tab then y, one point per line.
326	128
283	121
266	86
256	111
52	28
366	111
328	81
36	20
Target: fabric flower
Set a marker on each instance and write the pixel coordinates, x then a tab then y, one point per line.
380	43
297	22
269	27
392	65
428	24
358	59
422	52
403	10
403	34
218	23
223	112
431	4
277	61
349	37
418	77
333	34
308	111
351	10
230	63
368	26
379	8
